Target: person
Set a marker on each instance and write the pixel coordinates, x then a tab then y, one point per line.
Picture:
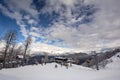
118	56
56	66
88	62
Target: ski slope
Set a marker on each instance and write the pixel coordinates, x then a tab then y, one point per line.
49	72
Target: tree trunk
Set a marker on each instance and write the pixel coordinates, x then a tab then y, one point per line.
6	49
24	55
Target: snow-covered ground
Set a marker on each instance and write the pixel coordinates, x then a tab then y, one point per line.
49	72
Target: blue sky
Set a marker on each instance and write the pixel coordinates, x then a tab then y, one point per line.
7	24
71	23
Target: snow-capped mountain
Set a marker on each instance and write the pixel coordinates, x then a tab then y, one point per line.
39	47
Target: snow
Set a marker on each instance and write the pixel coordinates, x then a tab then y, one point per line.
116	63
41	47
49	72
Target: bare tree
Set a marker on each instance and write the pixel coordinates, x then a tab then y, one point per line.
11	53
10	38
27	44
19	50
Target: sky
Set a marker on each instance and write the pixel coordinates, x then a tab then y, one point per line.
78	24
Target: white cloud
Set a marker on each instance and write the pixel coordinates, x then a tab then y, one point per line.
40	47
32	21
14	15
56	5
102	32
27	17
2	45
23	29
22	5
35	29
59	31
35	34
14	11
17	16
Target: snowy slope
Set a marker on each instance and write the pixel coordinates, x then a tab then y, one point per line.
49	72
115	64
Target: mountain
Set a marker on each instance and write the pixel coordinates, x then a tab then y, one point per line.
40	47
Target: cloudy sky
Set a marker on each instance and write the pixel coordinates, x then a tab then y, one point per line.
78	24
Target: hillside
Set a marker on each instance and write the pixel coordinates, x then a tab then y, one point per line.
49	72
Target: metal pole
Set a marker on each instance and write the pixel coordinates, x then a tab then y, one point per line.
96	60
